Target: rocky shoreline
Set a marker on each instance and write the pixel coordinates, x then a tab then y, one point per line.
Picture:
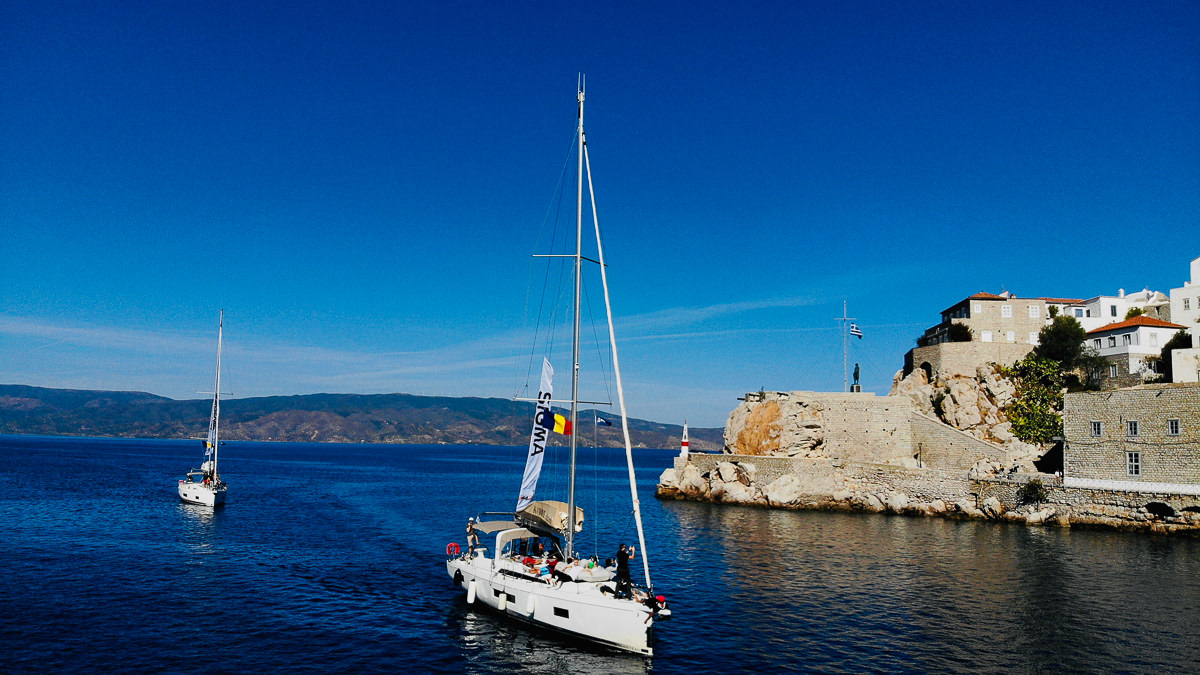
984	494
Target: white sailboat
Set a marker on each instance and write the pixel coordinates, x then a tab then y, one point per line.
204	485
509	571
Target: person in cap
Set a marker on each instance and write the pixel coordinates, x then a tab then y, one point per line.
472	536
656	604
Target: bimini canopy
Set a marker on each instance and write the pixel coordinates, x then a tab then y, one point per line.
551	514
494	526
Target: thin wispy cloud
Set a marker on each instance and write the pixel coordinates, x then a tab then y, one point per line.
682	316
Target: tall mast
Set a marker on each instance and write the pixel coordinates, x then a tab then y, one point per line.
575	328
215	420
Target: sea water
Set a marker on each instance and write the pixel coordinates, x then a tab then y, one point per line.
330	558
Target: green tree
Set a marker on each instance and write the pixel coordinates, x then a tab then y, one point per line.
1062	342
1180	340
1033	492
959	332
1092	366
1133	311
1034	412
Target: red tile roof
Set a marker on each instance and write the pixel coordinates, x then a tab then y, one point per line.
986	296
1136	321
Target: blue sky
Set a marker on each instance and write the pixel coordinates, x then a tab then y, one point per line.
360	185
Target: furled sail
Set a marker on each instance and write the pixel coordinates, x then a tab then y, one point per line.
537	438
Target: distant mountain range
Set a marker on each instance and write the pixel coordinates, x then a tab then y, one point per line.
343	418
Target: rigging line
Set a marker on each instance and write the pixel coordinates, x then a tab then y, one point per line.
600	357
554	207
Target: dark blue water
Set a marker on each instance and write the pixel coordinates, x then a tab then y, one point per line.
329	558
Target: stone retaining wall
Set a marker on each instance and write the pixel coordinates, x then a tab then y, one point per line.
962	358
943	447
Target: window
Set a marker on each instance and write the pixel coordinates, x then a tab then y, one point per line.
1112	310
1126	339
1010	336
1132	426
1079	312
1033	312
1112	340
1154	339
1112	370
986	336
1172	427
1006	311
1033	338
1096	343
1097	428
978	308
1186	306
1133	463
564	613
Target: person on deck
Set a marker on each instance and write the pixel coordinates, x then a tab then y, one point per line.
624	582
566	571
472	536
656	605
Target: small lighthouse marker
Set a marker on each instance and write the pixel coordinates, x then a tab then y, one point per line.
683	443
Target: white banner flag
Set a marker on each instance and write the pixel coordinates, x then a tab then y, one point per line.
537	439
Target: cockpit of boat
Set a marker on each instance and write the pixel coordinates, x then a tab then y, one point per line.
533	546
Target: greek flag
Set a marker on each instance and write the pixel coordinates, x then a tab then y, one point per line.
856	331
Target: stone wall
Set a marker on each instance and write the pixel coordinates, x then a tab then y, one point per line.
963	358
942	447
855	427
1164	458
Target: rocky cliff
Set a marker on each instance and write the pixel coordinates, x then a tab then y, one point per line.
971	404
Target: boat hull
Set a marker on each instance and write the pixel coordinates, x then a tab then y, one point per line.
575	609
199	493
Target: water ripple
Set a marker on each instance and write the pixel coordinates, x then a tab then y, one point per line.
328	558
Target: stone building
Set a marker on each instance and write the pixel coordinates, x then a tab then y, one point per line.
1003	318
1126	346
1143	439
1004	328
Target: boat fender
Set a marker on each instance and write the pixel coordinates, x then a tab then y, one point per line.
502	601
458	577
530	604
452	549
471	592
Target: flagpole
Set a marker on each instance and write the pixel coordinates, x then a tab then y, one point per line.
845	349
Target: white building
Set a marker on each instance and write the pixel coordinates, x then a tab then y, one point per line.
1103	310
1126	344
1185	310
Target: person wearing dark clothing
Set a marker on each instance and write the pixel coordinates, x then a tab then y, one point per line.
656	603
624	582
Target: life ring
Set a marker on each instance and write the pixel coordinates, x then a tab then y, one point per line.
452	549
